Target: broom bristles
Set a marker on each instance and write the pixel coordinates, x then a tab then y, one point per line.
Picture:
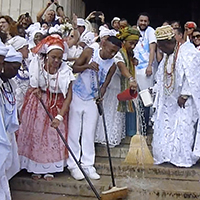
115	193
139	152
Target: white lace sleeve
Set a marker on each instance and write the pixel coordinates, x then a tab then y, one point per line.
185	88
64	78
34	72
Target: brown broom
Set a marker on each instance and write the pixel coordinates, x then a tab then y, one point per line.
114	193
139	152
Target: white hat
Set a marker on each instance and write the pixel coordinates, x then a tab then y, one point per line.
164	33
80	22
18	42
13	55
3	49
115	19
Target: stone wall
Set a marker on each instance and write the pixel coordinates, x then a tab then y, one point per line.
16	7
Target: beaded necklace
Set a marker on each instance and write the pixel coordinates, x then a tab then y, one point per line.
8	96
47	80
169	88
22	69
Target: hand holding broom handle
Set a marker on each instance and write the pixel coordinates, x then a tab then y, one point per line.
72	154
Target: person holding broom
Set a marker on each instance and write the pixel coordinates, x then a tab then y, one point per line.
83	113
176	102
120	116
41	151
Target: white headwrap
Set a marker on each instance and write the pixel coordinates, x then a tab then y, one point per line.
49	48
55	29
13	55
18	42
104	32
32	28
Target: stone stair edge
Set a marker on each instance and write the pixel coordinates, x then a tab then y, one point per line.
72	187
164	171
21	195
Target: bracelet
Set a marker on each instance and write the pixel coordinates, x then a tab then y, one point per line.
185	97
59	117
131	79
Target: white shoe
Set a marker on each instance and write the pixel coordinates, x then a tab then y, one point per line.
77	174
91	172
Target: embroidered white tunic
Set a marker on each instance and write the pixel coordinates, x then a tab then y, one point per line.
173	137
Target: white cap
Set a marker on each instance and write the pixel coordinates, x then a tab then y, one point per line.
13	55
18	42
80	22
115	19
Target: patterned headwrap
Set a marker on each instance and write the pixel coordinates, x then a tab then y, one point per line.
191	25
51	42
164	33
128	33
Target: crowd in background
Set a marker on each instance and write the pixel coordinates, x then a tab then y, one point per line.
69	64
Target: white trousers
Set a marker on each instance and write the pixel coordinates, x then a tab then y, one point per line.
83	117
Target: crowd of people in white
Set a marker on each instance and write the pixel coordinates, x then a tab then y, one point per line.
62	61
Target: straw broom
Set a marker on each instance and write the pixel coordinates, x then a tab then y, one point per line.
139	152
115	192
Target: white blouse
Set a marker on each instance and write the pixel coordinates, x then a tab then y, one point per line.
57	83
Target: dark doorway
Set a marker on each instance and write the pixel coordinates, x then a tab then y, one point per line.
158	10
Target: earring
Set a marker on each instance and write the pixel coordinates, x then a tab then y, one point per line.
2	70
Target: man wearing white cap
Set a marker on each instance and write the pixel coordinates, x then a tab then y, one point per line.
86	36
22	78
9	162
177	105
115	25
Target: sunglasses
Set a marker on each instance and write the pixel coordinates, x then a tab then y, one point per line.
188	29
196	36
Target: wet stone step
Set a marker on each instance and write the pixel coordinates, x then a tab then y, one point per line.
22	195
139	188
164	171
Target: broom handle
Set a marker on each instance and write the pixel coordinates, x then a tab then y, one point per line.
72	154
106	133
137	116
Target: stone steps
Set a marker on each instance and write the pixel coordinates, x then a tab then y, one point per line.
21	195
164	171
139	188
163	182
